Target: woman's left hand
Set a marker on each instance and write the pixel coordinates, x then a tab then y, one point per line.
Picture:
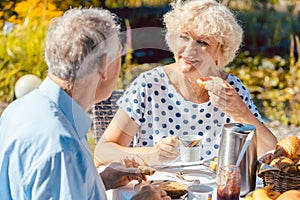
119	174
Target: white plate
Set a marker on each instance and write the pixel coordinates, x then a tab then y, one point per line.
205	177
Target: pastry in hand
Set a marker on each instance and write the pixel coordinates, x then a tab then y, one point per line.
202	81
215	81
288	146
146	170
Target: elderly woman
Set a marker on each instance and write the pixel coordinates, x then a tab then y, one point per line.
166	102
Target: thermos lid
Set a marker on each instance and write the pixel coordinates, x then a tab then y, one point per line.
239	127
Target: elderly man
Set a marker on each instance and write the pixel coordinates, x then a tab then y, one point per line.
44	152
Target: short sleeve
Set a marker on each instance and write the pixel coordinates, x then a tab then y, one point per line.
133	100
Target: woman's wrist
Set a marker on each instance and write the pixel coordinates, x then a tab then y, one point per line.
149	156
244	116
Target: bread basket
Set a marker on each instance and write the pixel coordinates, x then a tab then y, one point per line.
281	181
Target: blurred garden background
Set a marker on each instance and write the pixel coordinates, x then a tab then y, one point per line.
268	62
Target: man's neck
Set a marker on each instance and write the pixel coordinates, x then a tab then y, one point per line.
63	84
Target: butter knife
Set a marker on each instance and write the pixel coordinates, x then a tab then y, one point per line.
159	167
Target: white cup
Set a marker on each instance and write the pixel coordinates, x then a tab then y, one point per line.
200	192
187	153
190	154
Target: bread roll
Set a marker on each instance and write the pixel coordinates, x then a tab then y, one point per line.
174	189
202	81
283	163
212	80
290	195
146	170
268	158
297	164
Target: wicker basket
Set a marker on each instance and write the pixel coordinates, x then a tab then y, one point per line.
281	181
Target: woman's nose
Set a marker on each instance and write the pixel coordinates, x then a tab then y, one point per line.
190	47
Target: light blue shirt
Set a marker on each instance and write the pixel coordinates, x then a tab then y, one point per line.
44	152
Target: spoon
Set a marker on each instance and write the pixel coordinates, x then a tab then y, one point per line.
245	146
179	175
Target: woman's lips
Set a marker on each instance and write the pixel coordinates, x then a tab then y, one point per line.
187	65
189	61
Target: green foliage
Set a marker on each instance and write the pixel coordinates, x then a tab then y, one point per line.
267	31
21	52
127	63
134	3
8	11
274	82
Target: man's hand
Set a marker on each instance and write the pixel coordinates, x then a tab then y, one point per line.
150	192
118	174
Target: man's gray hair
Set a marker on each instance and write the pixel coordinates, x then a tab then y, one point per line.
76	41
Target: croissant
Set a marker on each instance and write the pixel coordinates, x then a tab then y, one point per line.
288	146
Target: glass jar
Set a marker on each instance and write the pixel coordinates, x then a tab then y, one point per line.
229	183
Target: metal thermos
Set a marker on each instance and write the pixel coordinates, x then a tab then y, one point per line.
232	140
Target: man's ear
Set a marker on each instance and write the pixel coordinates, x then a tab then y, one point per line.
103	66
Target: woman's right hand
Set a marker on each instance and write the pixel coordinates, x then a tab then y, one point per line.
166	149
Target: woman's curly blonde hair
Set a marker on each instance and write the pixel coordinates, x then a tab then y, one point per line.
205	18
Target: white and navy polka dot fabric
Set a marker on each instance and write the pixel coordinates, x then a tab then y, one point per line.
153	103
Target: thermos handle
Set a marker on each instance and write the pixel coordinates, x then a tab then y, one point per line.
245	146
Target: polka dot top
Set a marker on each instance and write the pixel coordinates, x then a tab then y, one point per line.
154	104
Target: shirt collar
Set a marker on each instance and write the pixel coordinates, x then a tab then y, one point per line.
79	118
